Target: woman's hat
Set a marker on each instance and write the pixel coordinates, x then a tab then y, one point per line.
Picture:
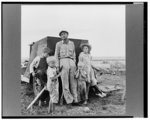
86	44
63	31
51	59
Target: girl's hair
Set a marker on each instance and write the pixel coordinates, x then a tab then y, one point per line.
89	50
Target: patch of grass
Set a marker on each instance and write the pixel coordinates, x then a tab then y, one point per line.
110	105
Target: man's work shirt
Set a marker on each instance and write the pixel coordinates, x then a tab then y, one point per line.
65	50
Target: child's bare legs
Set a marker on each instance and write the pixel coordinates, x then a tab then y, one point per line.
40	78
40	103
52	103
51	107
61	99
86	93
38	89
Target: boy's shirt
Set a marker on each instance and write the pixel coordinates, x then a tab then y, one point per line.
51	72
51	84
34	63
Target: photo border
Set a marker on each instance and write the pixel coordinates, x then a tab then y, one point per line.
12	85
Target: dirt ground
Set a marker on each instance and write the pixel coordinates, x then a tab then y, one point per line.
112	104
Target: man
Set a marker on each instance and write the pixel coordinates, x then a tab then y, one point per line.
65	54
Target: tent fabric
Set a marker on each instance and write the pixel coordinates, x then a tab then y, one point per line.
50	42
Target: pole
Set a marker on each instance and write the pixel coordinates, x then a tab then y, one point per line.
35	99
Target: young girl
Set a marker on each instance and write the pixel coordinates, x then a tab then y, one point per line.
83	85
86	58
52	83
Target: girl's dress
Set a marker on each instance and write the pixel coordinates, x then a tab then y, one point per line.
86	60
83	86
52	85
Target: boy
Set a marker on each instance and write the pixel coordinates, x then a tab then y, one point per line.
52	83
38	69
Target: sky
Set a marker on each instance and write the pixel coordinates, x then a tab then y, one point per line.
102	25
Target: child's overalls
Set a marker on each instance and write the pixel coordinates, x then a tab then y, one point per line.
40	76
83	88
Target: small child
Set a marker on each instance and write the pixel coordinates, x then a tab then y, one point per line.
52	83
83	85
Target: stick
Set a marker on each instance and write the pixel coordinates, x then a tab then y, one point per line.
35	99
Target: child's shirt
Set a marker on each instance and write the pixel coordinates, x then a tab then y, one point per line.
52	85
38	63
51	72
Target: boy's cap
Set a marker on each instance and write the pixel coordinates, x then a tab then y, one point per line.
86	44
51	59
63	31
46	50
